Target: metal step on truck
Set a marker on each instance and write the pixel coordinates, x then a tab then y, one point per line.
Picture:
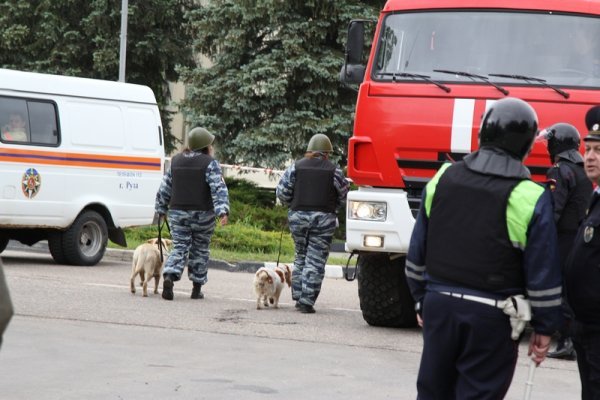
432	70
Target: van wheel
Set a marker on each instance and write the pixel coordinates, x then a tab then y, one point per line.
3	243
385	298
55	245
85	241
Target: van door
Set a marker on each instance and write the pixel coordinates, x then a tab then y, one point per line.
30	183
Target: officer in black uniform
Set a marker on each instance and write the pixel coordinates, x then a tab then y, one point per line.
6	307
582	272
484	236
571	190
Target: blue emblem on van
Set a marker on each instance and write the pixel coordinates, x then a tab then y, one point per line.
31	183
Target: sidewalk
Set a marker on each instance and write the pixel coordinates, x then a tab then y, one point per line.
331	271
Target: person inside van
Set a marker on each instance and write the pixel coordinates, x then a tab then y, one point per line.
15	130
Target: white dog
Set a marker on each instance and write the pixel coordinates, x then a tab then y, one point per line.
268	284
146	263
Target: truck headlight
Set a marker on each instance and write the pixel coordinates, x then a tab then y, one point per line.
367	210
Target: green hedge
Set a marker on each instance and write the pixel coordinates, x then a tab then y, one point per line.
244	238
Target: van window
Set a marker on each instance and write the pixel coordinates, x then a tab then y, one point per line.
95	124
142	129
27	121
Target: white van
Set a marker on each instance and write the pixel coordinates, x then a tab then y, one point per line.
80	159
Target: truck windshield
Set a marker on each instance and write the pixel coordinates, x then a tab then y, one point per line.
562	50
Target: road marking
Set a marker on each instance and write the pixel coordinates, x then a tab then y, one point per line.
213	296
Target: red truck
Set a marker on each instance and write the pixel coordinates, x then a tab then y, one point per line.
432	70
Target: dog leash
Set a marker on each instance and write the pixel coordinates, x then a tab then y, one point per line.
159	243
279	251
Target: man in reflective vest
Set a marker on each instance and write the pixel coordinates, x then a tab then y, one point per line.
485	232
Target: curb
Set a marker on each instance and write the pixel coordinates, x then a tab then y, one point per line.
331	271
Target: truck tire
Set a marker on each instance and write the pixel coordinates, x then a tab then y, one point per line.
84	243
3	243
55	245
385	298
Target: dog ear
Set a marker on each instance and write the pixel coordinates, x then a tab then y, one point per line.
288	275
151	241
280	274
168	241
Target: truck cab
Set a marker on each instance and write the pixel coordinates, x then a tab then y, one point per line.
433	69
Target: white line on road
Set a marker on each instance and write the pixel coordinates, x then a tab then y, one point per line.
213	296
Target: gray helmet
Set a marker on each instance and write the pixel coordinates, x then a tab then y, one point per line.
320	142
199	138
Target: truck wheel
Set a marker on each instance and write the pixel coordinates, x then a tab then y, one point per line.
3	243
385	298
85	241
55	245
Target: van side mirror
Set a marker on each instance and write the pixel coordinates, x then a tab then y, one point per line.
353	70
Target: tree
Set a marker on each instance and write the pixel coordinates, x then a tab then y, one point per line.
81	38
273	77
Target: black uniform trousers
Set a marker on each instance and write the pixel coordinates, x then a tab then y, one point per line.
586	340
467	353
565	244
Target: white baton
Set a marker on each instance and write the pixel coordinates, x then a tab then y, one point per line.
529	382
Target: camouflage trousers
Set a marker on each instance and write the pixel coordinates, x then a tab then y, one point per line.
191	232
312	232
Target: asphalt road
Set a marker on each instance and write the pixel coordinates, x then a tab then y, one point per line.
78	333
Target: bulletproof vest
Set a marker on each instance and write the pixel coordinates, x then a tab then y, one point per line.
574	211
467	239
313	188
190	191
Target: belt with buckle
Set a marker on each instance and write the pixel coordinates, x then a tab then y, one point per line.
477	299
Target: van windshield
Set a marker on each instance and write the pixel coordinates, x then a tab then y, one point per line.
563	50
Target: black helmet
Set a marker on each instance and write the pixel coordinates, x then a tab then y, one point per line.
560	137
511	125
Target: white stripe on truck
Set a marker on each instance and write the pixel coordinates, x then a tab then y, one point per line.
462	125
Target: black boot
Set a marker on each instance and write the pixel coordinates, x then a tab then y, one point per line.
167	292
196	293
564	350
305	308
